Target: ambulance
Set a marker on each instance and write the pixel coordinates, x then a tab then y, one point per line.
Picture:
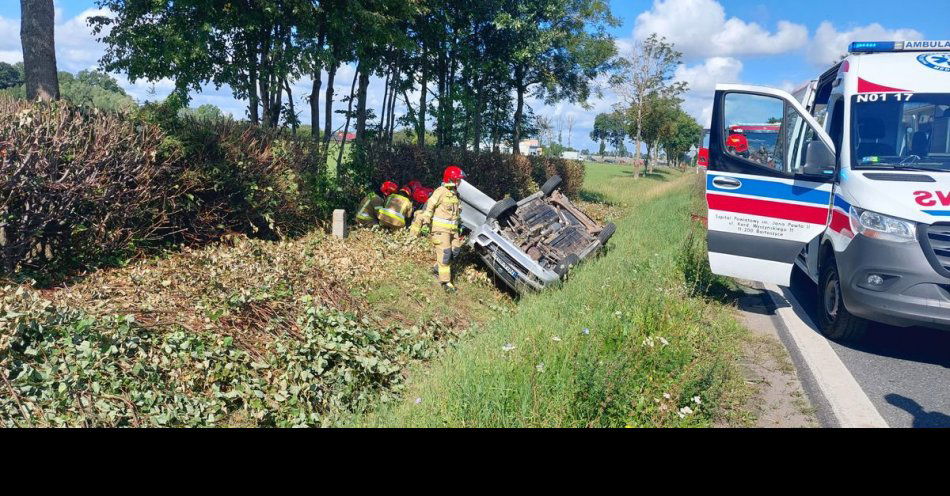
855	190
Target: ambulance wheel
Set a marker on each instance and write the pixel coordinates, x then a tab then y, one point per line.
502	208
550	185
835	320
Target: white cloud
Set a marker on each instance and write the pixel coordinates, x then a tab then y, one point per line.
830	44
699	28
702	80
76	48
705	76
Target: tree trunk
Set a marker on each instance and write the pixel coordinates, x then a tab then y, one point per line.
392	106
385	109
638	141
361	107
254	101
39	49
479	108
349	113
315	94
450	102
421	125
328	111
519	115
290	103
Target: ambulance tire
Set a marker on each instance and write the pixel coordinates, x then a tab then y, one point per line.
835	321
550	185
502	208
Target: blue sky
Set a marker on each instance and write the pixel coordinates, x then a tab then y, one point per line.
767	42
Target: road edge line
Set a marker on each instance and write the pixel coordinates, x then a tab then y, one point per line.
849	404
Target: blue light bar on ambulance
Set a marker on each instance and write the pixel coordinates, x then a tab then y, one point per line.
898	46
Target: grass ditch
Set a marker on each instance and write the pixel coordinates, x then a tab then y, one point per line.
634	339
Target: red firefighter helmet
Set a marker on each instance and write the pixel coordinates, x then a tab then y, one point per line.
388	188
414	185
737	142
406	190
453	174
421	195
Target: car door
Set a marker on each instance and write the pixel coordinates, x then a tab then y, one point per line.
769	182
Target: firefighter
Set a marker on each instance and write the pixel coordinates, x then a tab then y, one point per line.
369	209
397	211
421	197
442	212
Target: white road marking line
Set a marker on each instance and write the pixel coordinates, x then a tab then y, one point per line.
849	403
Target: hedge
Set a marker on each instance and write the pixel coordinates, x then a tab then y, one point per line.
497	175
79	186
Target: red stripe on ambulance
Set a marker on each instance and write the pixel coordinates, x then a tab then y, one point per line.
840	223
765	208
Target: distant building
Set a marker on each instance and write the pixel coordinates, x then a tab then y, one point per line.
338	137
526	147
571	155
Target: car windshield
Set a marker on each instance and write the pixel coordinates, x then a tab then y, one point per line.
901	131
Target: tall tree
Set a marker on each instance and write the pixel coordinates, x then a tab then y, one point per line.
557	48
609	128
39	49
646	69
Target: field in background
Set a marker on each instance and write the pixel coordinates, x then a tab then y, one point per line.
631	340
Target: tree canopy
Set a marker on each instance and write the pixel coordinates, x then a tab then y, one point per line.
466	67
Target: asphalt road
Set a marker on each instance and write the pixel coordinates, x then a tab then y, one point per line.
904	371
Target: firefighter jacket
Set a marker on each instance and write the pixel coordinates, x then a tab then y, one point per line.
369	209
396	212
443	210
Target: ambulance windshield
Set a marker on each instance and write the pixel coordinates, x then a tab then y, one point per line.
901	131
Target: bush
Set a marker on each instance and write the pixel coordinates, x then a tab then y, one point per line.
243	178
497	175
75	184
80	186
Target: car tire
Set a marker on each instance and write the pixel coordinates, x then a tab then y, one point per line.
605	235
566	264
550	185
835	321
502	208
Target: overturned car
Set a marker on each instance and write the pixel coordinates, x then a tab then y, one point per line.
532	243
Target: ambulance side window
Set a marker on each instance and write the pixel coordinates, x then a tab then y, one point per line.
836	129
753	127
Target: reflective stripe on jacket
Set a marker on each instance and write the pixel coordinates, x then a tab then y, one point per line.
369	209
396	210
443	210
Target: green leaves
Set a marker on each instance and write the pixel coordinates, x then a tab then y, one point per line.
68	369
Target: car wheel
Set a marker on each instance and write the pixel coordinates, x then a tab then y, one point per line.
566	264
835	320
550	185
605	235
502	208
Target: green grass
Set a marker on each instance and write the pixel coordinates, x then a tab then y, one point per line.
653	345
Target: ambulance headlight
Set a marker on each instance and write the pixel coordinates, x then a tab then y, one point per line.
880	226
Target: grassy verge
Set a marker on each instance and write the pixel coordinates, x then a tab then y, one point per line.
631	340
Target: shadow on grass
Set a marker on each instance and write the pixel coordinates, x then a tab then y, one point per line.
595	197
693	263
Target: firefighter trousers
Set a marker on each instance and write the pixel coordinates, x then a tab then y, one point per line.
446	246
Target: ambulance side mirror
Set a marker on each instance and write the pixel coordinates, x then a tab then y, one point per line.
819	159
